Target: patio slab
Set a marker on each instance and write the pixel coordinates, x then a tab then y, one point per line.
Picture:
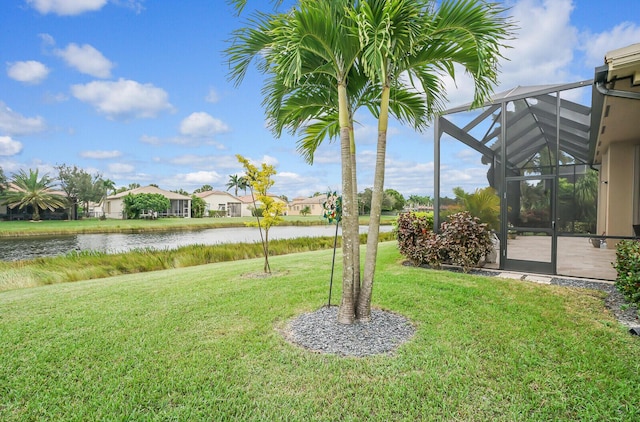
576	256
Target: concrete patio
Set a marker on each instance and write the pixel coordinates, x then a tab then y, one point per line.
576	256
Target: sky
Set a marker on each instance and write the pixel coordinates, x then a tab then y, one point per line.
138	92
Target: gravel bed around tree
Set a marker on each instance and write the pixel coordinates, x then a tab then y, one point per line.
320	331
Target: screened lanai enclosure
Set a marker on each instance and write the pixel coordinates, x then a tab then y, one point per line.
532	147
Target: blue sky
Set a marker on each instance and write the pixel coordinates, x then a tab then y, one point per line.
137	91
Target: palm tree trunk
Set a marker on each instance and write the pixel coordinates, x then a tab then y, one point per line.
346	312
354	229
363	309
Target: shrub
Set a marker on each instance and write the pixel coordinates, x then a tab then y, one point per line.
465	239
628	268
462	240
411	229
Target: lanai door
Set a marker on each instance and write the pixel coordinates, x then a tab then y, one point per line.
531	234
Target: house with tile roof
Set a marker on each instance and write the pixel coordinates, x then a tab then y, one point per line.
314	205
180	204
220	204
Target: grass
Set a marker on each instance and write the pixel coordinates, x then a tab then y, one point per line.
94	225
86	265
203	343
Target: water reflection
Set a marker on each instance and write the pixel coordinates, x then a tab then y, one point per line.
33	247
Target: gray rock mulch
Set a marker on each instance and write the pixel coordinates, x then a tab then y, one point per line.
320	331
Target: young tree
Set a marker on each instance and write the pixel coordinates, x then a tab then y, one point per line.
260	181
32	190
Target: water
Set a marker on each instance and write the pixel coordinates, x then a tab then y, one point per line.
40	246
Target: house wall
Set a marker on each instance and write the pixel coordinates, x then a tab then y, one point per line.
619	178
315	208
114	208
216	202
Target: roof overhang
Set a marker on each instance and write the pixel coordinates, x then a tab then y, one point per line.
616	101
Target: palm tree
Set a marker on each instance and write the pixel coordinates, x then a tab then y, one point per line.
30	190
107	185
483	204
408	42
316	40
237	182
362	47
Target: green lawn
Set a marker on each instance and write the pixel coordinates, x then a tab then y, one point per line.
202	343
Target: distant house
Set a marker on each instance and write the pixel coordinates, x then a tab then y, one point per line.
180	204
248	205
26	213
222	202
314	204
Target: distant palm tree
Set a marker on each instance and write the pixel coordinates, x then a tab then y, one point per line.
237	182
34	191
107	185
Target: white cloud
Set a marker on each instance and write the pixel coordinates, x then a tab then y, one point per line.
124	98
9	147
101	155
12	123
51	98
47	39
86	59
202	124
120	168
30	72
206	162
66	7
597	45
266	159
200	177
151	140
541	24
212	96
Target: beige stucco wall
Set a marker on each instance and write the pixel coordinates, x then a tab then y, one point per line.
114	208
618	179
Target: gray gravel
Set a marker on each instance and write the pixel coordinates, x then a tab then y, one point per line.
320	331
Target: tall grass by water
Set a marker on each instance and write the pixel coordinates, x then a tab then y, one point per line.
85	265
205	343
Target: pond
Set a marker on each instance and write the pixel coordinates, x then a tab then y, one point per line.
40	246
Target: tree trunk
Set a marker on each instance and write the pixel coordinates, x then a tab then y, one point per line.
346	312
354	228
363	309
267	267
